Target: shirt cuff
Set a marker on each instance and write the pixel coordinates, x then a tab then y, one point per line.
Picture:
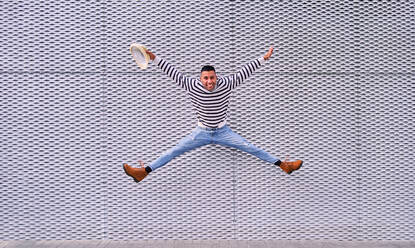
156	60
261	60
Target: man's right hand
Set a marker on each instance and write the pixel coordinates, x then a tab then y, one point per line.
152	56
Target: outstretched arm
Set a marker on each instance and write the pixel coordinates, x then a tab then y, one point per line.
177	76
236	79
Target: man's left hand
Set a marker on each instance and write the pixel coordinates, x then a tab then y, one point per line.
269	53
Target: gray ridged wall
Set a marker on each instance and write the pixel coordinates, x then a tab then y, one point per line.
337	93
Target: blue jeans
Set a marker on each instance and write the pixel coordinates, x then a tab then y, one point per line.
203	136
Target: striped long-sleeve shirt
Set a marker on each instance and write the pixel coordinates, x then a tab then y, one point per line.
211	106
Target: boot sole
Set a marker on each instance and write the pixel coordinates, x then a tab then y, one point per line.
300	165
128	174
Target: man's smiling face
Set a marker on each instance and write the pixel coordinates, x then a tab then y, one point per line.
208	79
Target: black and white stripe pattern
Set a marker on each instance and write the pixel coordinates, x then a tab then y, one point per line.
211	106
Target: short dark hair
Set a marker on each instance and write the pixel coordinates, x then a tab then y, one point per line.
208	68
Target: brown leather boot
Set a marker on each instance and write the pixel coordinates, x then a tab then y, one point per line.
137	173
289	167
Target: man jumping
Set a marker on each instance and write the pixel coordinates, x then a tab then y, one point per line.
210	96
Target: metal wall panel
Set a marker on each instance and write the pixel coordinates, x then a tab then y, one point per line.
309	36
188	33
386	36
51	36
312	117
338	93
51	150
387	148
